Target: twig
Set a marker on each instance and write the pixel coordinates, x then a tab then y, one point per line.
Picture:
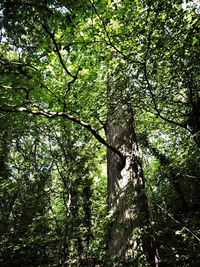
179	223
108	37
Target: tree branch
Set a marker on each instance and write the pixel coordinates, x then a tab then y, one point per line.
51	35
69	87
158	112
108	37
53	114
178	222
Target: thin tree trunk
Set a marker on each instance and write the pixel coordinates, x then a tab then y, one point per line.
126	195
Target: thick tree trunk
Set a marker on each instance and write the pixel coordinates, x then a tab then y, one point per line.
126	196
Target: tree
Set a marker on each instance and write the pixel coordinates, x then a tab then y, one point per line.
126	191
102	66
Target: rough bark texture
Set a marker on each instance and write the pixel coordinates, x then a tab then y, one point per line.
126	196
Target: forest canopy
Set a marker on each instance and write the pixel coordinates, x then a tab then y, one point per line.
99	133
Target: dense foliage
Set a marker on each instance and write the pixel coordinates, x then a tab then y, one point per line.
56	60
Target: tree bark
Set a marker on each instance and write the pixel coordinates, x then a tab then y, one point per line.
127	201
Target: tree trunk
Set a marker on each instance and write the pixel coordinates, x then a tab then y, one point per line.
129	214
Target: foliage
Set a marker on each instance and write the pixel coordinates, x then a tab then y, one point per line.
55	60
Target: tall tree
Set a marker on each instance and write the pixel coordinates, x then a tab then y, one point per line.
126	190
54	64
